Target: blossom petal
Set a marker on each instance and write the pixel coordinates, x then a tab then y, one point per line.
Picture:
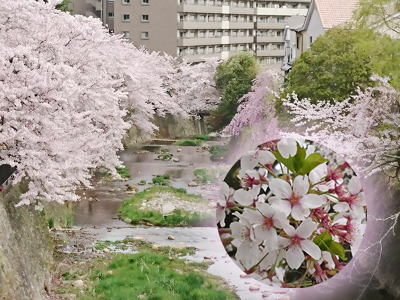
311	248
300	212
313	201
294	257
287	147
266	157
269	235
246	197
289	229
239	233
354	185
318	172
280	219
220	213
301	185
283	206
248	161
306	228
280	188
341	207
266	209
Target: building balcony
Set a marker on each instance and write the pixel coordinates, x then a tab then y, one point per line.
260	25
270	52
185	42
200	25
241	10
268	39
187	8
241	25
241	40
281	11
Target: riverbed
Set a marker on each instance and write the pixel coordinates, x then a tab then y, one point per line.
98	218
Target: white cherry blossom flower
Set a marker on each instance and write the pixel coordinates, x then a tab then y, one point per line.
267	219
247	197
298	242
224	202
294	200
244	240
287	147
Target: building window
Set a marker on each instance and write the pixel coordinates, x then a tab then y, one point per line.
145	35
126	17
111	15
145	18
126	34
298	42
310	40
126	1
145	1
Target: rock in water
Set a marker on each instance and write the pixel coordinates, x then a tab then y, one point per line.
127	220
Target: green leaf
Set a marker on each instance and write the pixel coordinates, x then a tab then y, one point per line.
293	163
337	248
311	162
322	238
325	243
299	164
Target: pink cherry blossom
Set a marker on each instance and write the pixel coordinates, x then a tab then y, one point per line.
298	243
224	202
295	200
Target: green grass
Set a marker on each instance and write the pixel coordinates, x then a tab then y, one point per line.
156	273
70	221
50	222
130	208
204	137
161	179
165	156
123	172
155	276
189	143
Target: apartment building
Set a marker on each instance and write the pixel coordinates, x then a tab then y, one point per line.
194	29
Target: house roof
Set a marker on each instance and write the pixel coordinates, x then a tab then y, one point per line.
335	12
331	12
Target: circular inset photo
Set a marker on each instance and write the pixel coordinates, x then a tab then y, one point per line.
291	213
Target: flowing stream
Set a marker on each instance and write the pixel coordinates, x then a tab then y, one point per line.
99	217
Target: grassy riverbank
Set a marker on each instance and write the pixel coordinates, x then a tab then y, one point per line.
148	206
154	273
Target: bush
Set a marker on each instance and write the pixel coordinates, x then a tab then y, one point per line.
161	179
189	143
204	137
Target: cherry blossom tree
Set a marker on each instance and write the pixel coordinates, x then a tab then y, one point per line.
194	86
257	108
364	128
68	92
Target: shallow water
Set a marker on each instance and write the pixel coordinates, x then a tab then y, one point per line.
103	213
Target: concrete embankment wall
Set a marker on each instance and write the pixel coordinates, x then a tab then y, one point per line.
26	246
169	127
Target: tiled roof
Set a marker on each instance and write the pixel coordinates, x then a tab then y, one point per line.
335	12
